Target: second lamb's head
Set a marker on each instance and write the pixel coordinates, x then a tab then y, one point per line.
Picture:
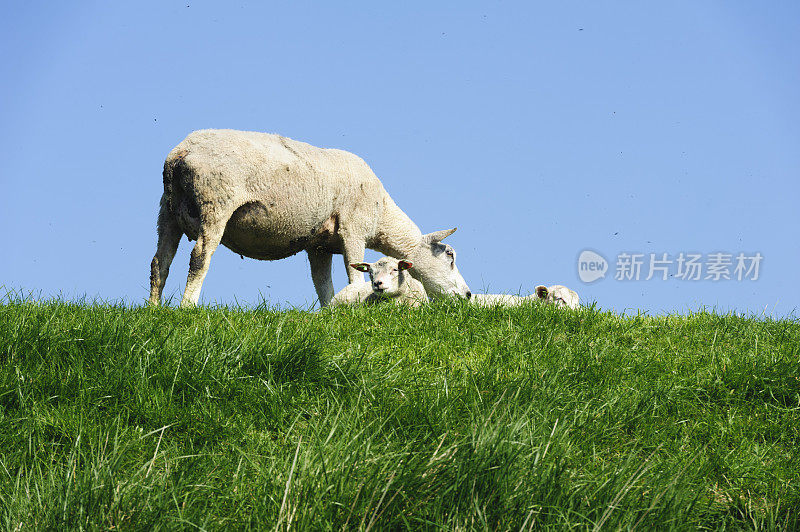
558	295
387	275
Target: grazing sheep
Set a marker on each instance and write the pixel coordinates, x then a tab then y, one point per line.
388	282
559	295
268	197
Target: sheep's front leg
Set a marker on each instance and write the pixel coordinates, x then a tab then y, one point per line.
321	274
169	236
353	252
207	242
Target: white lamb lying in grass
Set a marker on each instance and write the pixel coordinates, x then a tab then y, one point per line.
559	295
388	282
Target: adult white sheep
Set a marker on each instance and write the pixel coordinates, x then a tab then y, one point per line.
389	281
268	197
558	295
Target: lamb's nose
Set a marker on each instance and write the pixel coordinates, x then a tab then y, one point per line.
469	294
378	284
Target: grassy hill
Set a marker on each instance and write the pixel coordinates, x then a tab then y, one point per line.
443	417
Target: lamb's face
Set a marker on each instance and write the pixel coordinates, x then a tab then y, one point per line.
386	275
558	295
435	266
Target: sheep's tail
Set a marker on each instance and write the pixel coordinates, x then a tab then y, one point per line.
174	168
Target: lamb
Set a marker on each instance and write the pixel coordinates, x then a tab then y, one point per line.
388	282
491	300
559	295
268	197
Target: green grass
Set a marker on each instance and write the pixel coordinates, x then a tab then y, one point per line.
442	417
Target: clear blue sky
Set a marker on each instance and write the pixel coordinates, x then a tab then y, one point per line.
539	129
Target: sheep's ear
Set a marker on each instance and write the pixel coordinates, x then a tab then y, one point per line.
541	292
361	266
404	265
438	236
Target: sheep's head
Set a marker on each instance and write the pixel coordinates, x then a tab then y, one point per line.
435	266
560	296
386	274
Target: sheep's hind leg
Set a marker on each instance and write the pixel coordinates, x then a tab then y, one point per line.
169	236
207	241
321	274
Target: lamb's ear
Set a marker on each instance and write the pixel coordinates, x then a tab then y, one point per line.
541	291
438	236
404	265
361	266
